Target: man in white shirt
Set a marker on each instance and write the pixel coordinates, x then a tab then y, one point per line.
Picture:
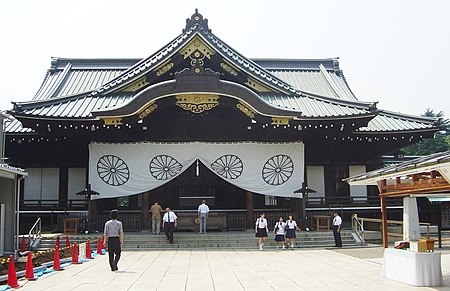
169	224
203	210
114	234
337	222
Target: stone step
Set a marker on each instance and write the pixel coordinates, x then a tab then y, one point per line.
244	239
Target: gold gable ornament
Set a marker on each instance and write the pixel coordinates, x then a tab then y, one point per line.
195	47
197	103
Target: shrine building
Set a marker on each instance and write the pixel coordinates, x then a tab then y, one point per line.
198	120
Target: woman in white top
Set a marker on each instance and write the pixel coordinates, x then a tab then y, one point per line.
261	230
278	230
291	227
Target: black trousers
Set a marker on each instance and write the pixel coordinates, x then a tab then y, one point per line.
337	236
168	230
114	251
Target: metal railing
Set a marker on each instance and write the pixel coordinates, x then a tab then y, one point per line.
35	232
358	225
358	228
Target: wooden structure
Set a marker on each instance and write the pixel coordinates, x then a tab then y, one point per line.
197	88
422	177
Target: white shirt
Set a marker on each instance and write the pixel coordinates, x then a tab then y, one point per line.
291	224
203	208
281	226
337	220
172	216
261	223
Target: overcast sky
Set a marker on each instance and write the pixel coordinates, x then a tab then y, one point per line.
394	52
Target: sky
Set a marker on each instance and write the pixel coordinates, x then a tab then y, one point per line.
391	51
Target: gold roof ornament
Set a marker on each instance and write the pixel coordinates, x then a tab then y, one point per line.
253	84
280	120
147	110
133	87
112	120
197	103
245	109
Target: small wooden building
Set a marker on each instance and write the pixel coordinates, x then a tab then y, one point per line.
196	92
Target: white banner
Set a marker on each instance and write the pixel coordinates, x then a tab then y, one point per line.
117	170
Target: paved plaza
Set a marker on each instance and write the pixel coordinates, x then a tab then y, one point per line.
232	270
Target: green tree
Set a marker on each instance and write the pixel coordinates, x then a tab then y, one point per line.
439	143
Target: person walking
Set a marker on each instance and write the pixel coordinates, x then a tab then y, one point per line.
278	230
114	234
203	210
261	230
291	227
156	211
337	223
169	224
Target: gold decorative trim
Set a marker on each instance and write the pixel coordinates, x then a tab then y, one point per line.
228	68
112	120
147	110
280	120
257	85
142	82
197	45
245	109
197	103
164	68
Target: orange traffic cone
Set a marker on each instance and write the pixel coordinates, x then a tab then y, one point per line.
56	262
67	241
99	246
88	250
103	242
12	276
22	245
57	242
29	272
75	254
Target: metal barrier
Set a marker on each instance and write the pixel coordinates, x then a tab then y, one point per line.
35	232
358	225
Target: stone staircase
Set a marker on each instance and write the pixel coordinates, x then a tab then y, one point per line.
211	240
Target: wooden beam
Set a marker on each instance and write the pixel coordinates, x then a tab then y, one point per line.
429	189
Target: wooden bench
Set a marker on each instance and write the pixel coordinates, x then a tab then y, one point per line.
215	220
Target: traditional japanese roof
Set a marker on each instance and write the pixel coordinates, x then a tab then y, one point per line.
84	89
435	162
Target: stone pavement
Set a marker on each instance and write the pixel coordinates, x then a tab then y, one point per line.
231	270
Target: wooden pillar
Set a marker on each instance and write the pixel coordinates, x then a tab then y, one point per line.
384	222
249	200
145	209
63	186
92	216
383	215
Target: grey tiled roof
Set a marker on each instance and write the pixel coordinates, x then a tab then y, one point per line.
387	121
317	88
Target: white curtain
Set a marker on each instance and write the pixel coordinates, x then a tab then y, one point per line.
117	170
